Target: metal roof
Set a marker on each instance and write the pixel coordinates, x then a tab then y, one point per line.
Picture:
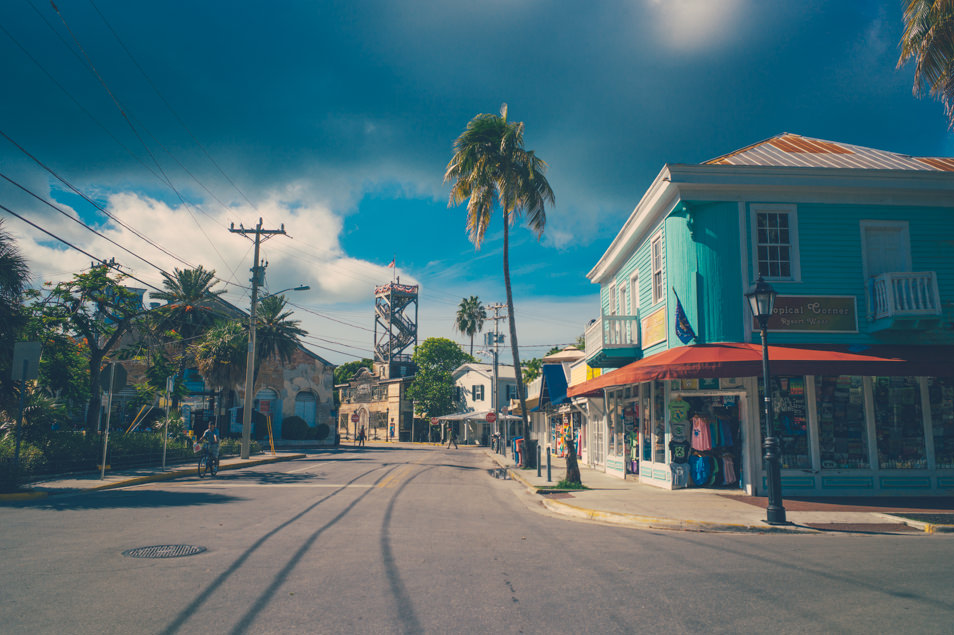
792	150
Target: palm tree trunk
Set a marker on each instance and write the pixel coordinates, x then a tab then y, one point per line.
524	424
471	344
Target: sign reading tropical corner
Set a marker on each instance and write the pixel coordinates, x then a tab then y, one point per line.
653	328
818	313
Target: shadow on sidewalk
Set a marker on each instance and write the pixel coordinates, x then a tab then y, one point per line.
127	499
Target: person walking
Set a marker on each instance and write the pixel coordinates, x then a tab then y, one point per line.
361	437
453	439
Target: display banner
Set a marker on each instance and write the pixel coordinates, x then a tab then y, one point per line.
816	313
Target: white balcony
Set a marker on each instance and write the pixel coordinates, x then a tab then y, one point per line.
612	339
903	295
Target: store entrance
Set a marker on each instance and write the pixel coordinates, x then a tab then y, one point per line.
706	441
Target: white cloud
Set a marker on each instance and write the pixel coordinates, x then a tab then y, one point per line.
692	25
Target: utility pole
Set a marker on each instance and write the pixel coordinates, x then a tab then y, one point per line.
493	386
257	279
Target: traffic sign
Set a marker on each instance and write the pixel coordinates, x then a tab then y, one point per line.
118	375
491	417
434	421
354	417
26	361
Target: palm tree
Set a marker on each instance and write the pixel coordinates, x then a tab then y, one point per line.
470	318
491	169
928	39
14	276
190	298
191	307
275	334
220	356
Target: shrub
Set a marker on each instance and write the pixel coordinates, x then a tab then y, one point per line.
295	429
233	447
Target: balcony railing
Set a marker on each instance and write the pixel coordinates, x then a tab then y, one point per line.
611	331
901	295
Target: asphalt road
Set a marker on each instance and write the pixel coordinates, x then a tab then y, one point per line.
398	540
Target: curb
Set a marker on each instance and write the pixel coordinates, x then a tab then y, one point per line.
23	496
647	522
928	528
159	476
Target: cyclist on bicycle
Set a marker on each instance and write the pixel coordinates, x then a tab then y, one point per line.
210	442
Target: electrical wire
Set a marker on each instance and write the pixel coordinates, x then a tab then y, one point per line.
109	264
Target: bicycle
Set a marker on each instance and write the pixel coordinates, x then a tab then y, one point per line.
208	464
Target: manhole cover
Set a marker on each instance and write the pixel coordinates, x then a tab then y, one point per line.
164	551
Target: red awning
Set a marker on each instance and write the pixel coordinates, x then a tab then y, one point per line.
737	359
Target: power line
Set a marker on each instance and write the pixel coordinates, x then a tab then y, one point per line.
78	221
132	127
169	106
112	265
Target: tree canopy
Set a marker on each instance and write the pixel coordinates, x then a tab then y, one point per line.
433	386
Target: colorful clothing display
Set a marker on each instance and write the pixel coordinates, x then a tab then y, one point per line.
701	435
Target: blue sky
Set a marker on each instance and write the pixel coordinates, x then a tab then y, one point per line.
337	119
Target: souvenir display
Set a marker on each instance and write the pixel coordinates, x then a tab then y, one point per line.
711	449
790	421
941	393
898	425
842	430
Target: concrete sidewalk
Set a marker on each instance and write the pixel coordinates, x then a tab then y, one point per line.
90	481
628	502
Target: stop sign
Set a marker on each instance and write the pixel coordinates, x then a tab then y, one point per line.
355	418
491	417
434	421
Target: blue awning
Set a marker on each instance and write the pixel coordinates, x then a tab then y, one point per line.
553	390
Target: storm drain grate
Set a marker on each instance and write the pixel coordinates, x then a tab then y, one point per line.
164	551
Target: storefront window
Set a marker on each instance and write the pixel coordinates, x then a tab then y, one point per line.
630	428
842	430
790	421
646	425
659	422
941	392
898	424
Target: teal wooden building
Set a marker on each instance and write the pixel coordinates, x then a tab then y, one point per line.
859	245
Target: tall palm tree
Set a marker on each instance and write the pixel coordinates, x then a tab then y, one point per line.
220	356
190	310
14	276
275	334
470	318
928	39
491	169
190	298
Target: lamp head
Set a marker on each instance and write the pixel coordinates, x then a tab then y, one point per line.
761	299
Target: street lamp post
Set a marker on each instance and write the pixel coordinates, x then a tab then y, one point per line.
258	274
761	301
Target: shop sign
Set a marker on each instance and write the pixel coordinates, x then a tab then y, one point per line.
815	313
653	328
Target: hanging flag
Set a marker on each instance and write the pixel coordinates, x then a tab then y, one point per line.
683	329
392	262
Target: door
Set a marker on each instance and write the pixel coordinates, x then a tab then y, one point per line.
886	247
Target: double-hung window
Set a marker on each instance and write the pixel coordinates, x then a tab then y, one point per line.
657	267
776	242
477	392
